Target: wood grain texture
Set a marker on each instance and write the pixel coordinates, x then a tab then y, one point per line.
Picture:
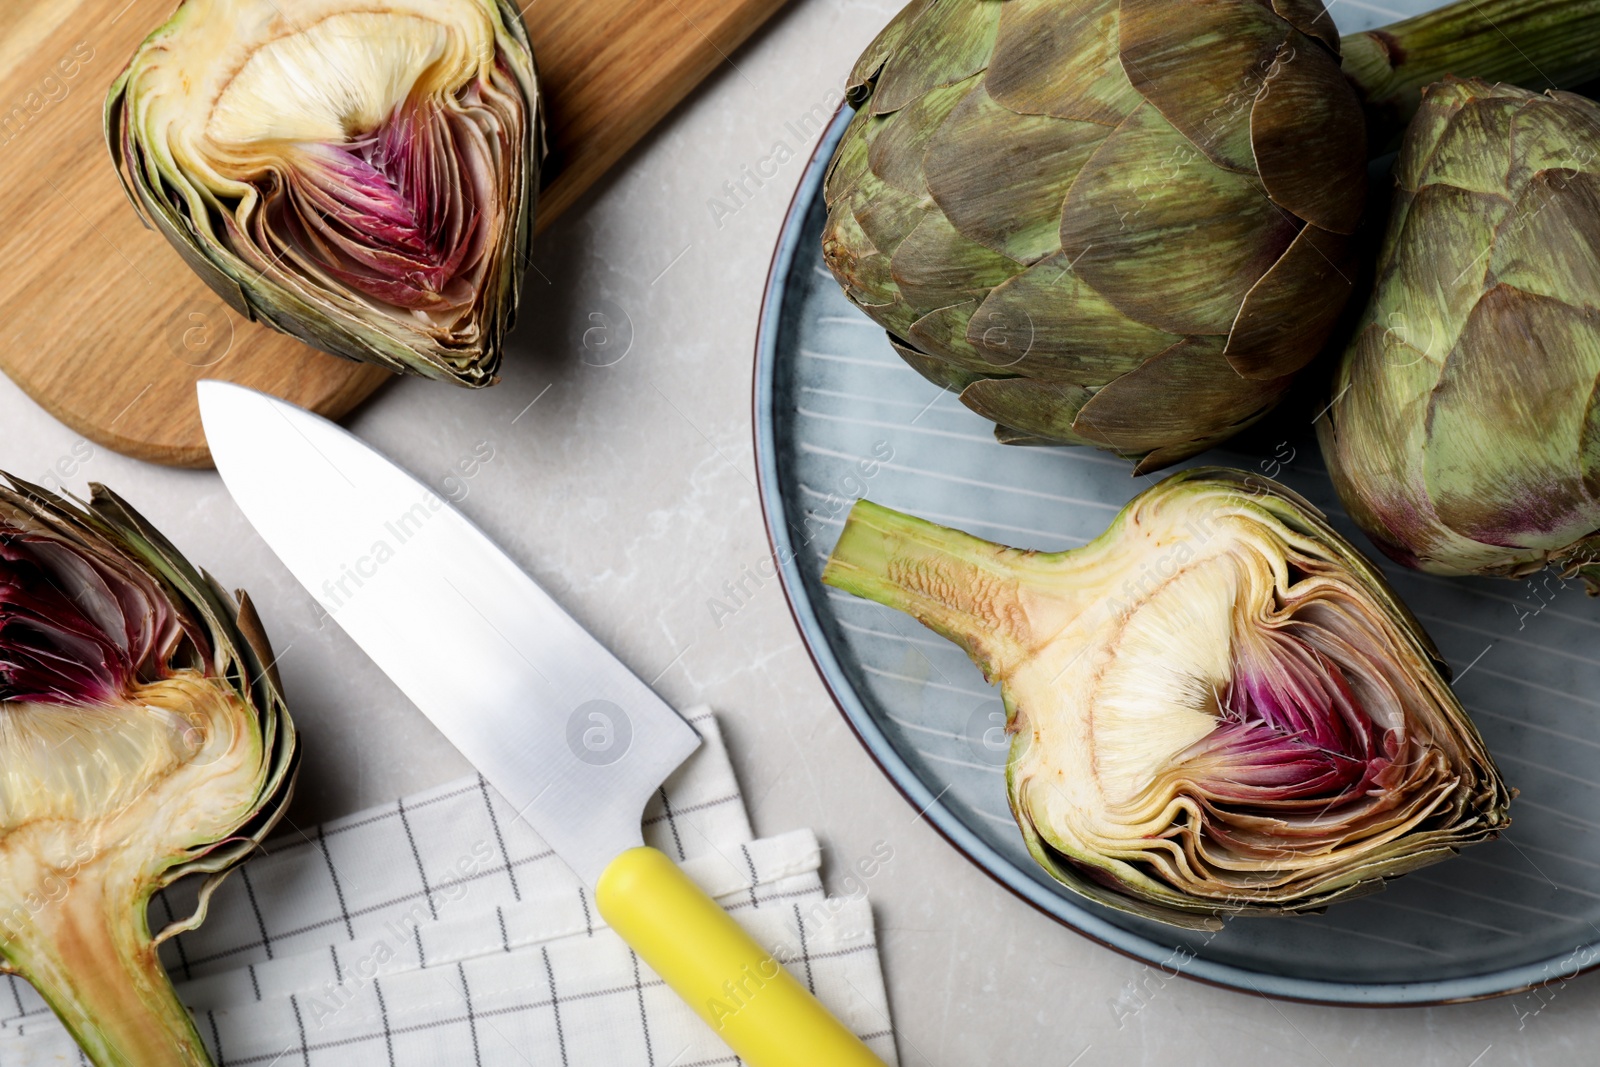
106	327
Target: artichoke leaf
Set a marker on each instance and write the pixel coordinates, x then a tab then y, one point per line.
1061	60
1178	395
1166	236
1008	195
944	330
1439	268
935	266
940	372
1523	487
886	215
1374	436
865	73
1280	326
1043	410
901	143
1549	245
1050	323
849	164
1308	139
1553	138
949	41
1202	66
1311	19
1460	160
864	270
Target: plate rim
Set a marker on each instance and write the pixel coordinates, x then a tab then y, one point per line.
943	819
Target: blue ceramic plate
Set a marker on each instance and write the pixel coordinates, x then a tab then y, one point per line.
839	416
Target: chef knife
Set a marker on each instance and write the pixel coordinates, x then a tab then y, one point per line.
551	718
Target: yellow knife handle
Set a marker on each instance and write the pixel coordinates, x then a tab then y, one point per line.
734	984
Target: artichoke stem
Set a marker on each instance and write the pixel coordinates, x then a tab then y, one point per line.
1537	44
87	950
962	587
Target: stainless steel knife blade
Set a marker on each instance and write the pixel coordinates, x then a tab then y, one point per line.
551	718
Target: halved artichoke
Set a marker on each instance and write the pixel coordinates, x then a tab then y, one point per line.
1217	707
361	176
144	739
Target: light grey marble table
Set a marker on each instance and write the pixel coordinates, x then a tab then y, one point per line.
627	487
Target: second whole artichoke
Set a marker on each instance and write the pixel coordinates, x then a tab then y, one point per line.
1464	434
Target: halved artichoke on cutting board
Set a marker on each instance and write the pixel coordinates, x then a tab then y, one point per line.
144	739
1217	707
359	175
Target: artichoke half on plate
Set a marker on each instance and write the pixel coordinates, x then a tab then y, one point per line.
1464	434
361	176
144	739
1217	707
1127	223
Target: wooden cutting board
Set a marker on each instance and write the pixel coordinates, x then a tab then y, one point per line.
105	326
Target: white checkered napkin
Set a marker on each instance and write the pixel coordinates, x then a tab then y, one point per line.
449	880
765	873
456	848
579	1001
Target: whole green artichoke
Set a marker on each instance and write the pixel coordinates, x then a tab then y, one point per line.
1464	437
1127	224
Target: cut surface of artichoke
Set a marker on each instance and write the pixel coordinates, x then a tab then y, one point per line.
360	176
1217	707
142	739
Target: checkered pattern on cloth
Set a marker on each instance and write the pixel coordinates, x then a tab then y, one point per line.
440	929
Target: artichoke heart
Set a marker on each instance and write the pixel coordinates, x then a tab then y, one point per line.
1217	707
143	738
1464	434
360	176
